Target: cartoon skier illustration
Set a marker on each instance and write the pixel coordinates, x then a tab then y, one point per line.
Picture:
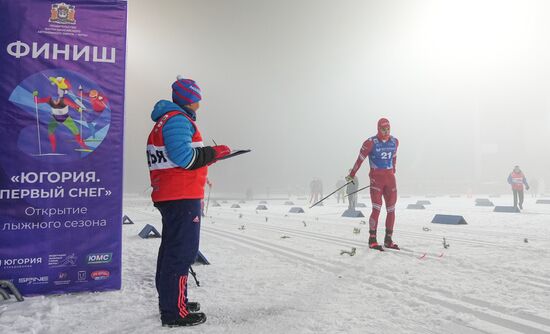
60	111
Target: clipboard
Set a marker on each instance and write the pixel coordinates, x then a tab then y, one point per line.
234	154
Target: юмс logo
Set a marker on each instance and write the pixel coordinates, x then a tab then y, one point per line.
99	258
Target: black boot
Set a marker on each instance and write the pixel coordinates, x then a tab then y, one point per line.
193	306
373	244
192	319
388	242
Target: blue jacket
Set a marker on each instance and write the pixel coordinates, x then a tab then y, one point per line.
177	133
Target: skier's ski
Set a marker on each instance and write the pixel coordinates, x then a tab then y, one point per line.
417	254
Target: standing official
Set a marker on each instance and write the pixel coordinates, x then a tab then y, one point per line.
178	163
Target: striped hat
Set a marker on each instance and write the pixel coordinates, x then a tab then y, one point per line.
185	91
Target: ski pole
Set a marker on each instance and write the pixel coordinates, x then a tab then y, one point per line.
194	275
35	98
82	109
357	191
324	198
208	200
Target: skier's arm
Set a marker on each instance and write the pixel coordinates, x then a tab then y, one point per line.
525	182
177	133
363	154
510	179
73	105
40	99
394	159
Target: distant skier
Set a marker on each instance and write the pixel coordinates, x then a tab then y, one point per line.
381	150
341	194
316	190
518	180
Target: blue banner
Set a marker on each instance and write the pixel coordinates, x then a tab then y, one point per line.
61	119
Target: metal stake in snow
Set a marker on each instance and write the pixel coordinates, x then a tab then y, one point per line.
35	97
332	193
354	192
445	244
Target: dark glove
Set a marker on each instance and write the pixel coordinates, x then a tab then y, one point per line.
527	187
221	151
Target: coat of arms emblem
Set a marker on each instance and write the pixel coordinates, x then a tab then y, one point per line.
62	13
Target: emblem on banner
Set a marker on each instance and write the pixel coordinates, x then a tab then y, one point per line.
62	13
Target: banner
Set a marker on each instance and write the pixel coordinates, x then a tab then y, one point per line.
62	69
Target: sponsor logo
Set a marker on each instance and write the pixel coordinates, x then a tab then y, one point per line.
81	276
33	280
99	258
197	220
16	263
62	13
100	275
62	260
62	279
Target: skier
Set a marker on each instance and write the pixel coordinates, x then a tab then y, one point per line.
178	163
517	180
381	150
342	192
60	112
316	190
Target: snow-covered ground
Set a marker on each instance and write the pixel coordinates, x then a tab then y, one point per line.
277	272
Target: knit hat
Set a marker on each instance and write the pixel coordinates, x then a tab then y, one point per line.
185	91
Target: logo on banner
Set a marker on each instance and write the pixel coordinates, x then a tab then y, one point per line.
62	13
16	263
100	275
33	280
62	260
81	276
100	258
62	279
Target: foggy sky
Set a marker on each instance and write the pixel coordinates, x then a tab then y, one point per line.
303	82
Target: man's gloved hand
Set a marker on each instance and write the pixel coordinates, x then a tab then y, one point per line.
221	151
527	187
34	93
349	178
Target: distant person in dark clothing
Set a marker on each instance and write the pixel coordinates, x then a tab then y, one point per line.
316	189
518	180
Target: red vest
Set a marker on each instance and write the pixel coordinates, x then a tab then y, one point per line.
517	180
170	181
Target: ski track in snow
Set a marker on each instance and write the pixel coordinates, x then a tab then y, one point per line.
488	281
